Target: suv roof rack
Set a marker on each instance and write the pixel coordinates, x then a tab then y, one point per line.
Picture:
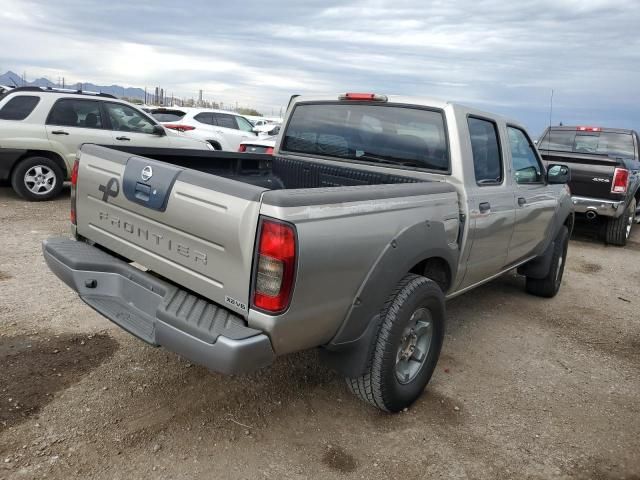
60	90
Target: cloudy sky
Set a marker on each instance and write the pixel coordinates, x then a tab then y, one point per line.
503	56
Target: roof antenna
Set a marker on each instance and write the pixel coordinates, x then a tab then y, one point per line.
550	116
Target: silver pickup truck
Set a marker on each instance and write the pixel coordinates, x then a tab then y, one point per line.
372	212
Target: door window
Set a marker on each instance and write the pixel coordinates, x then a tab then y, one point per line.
244	124
19	107
225	120
487	161
127	119
71	112
206	118
526	165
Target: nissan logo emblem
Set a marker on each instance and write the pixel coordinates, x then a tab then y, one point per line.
147	173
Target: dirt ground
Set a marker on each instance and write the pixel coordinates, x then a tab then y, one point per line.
525	387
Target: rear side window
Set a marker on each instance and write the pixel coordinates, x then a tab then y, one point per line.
19	107
374	133
206	118
225	120
71	112
487	161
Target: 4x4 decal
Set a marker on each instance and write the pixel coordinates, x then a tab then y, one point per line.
108	190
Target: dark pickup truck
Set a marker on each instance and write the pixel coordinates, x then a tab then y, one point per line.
605	174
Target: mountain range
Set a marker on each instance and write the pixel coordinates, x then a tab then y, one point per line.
12	79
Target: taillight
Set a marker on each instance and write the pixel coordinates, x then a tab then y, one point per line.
178	127
268	150
74	183
275	266
242	148
372	97
620	180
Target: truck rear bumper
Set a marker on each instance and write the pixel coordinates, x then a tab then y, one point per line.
606	208
156	311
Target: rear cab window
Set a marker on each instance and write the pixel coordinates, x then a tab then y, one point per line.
394	135
19	107
615	144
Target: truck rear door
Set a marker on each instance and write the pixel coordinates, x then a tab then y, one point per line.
194	229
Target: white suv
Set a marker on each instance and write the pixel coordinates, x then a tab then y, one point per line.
42	129
223	130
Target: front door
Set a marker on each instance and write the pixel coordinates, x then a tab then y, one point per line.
131	127
535	203
491	204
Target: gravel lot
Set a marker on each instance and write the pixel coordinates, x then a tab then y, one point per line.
525	388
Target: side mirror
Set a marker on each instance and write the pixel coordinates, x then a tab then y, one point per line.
256	130
158	130
558	174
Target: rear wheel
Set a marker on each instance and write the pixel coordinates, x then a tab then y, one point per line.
215	145
549	285
407	346
37	179
619	229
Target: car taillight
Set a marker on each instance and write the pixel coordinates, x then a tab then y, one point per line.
275	266
620	180
268	150
372	97
242	148
74	183
178	127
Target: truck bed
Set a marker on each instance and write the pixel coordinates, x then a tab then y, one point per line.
194	220
272	173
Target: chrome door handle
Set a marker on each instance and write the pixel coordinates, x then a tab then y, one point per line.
522	201
484	207
126	139
60	132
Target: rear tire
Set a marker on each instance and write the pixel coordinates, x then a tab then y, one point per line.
618	229
550	285
406	348
37	179
215	145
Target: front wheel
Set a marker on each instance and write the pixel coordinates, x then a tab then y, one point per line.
37	179
550	285
407	346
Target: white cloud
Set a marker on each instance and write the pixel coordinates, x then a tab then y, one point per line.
492	53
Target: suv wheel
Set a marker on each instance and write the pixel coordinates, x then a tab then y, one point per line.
37	179
406	348
550	285
619	229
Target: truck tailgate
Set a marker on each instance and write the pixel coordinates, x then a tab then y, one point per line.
195	229
591	175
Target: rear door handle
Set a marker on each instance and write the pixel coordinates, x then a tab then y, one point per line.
484	207
60	132
522	201
125	139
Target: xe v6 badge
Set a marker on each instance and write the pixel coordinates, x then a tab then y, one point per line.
108	190
147	173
